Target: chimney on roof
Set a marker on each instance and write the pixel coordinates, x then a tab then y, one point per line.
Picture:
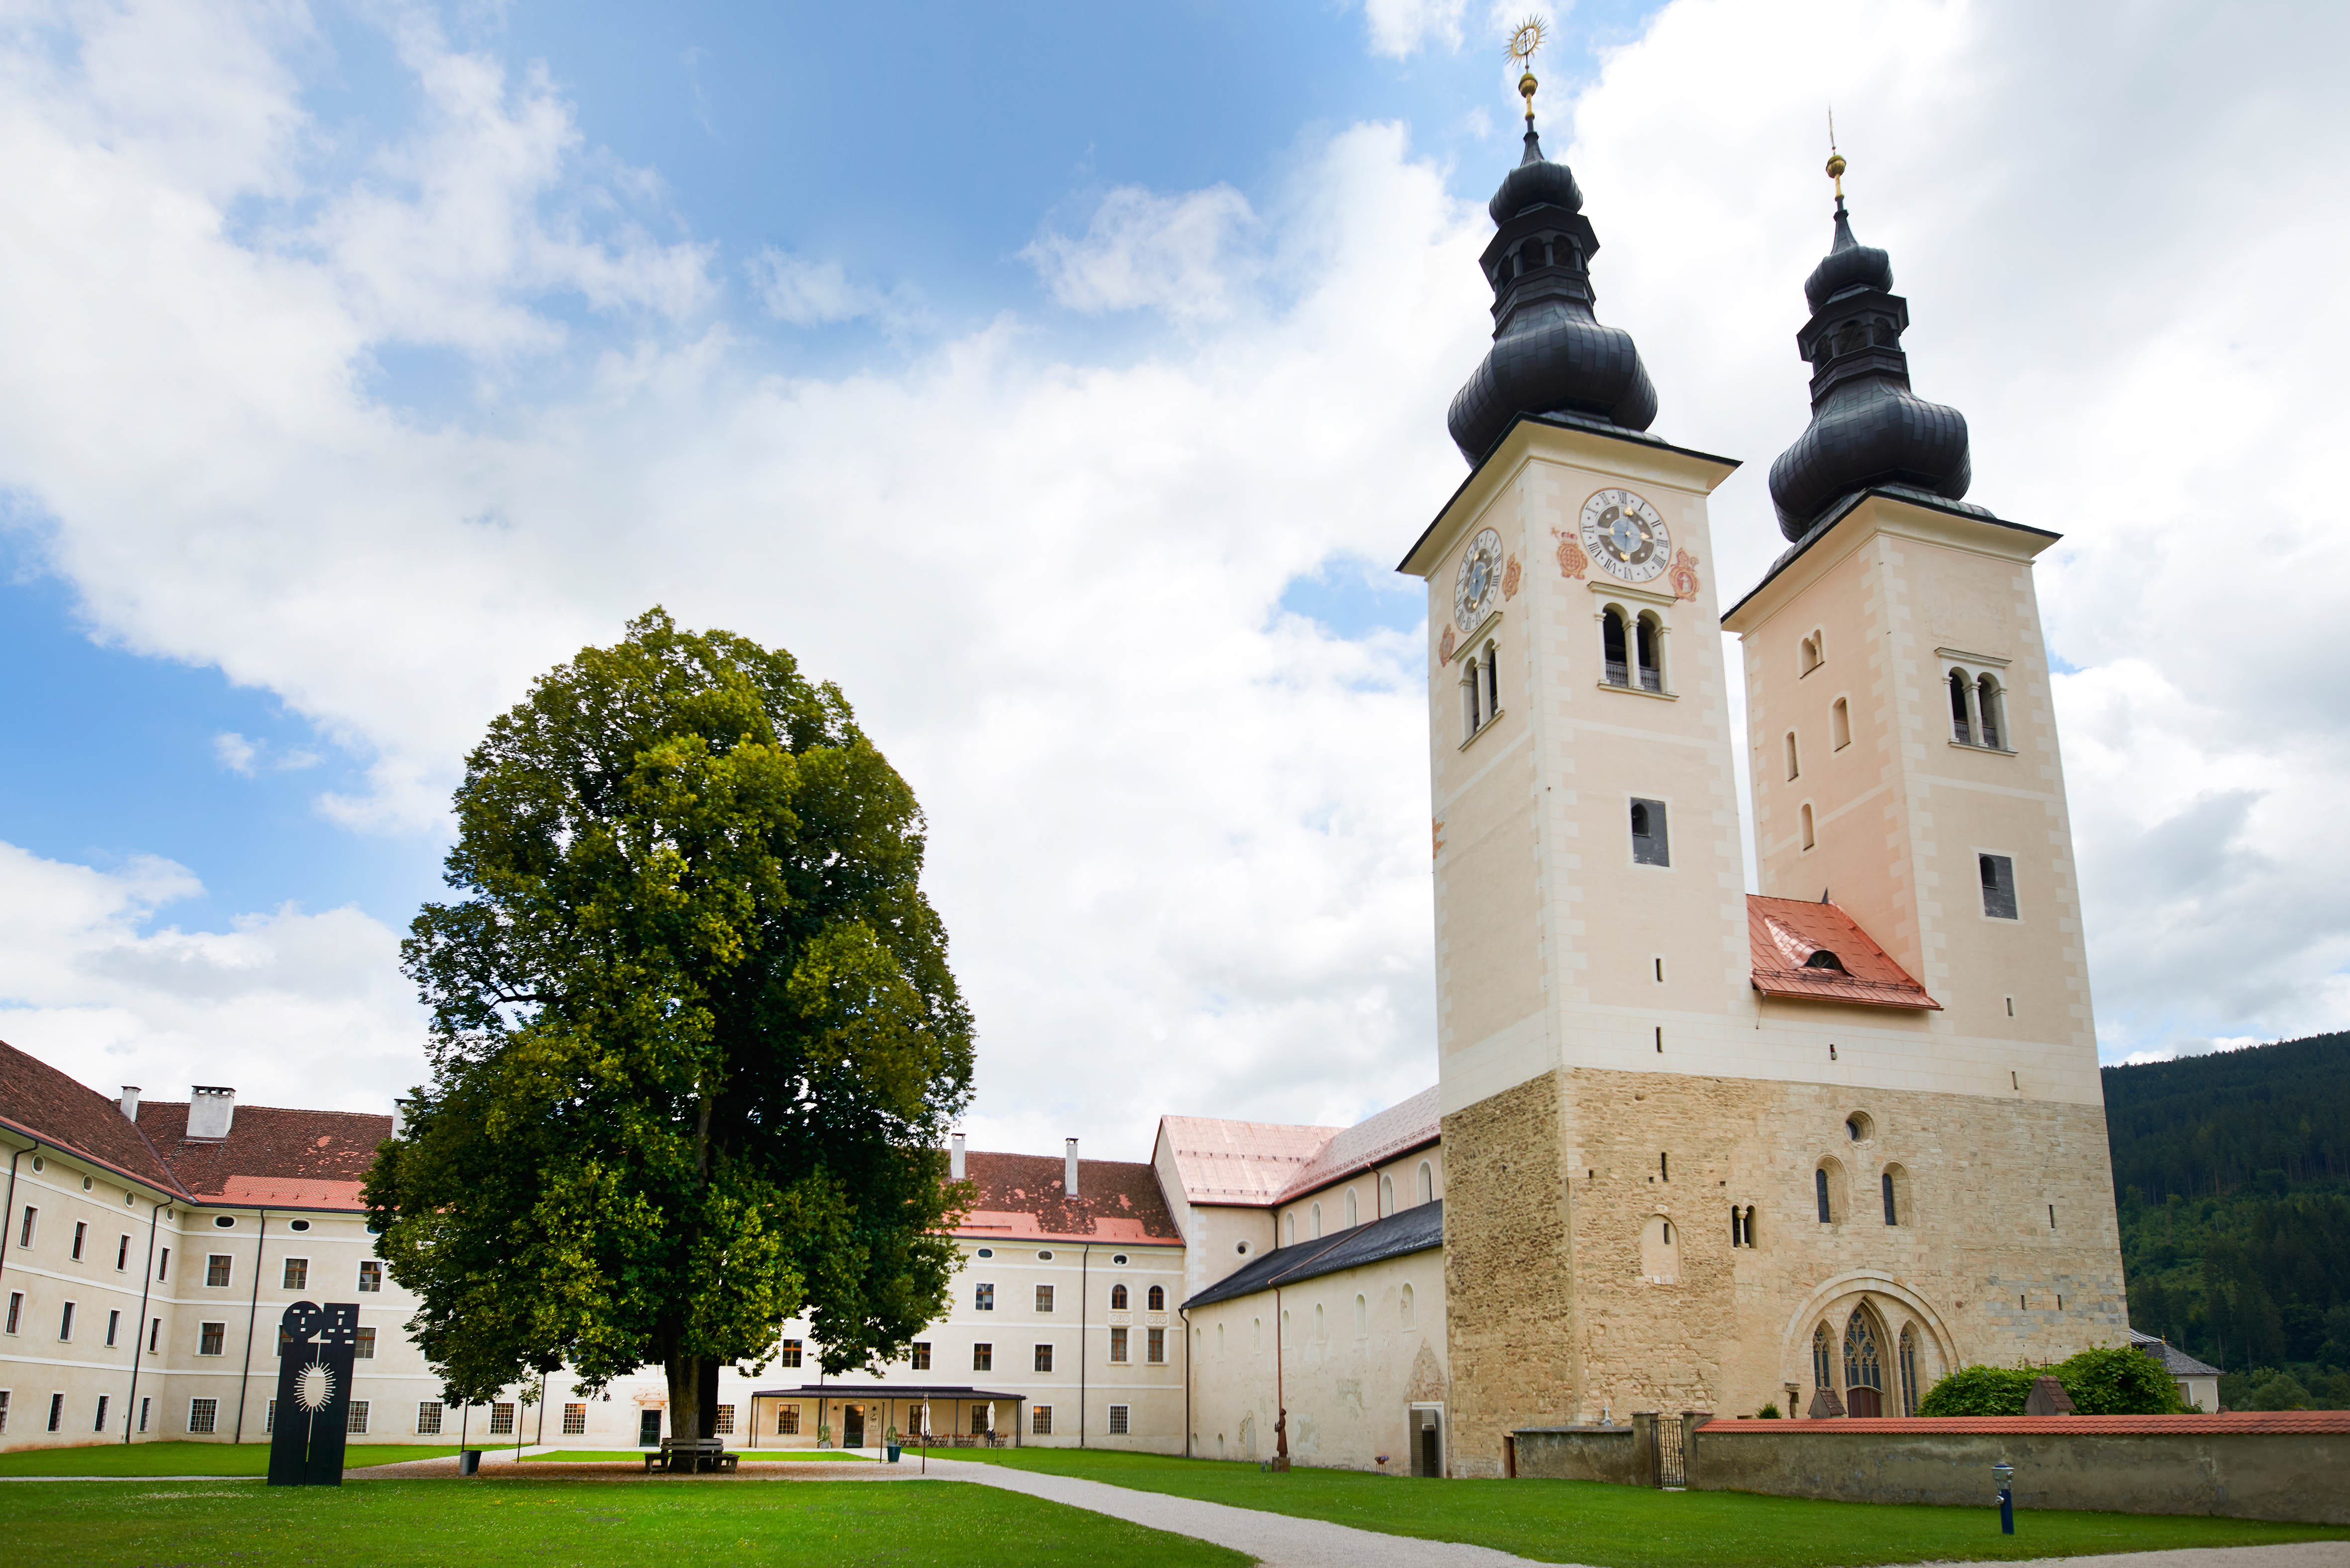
130	1102
954	1158
1069	1181
211	1111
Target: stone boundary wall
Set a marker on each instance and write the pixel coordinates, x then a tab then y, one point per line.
1582	1453
2289	1466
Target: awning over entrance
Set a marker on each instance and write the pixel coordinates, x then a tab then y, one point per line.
867	1393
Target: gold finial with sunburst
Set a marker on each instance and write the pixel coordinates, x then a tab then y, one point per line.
1835	159
1524	40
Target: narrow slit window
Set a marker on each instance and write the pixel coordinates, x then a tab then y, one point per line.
1492	682
1840	724
1795	763
1998	873
1809	838
1892	1212
1820	1193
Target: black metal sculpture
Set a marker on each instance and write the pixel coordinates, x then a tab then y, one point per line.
314	1350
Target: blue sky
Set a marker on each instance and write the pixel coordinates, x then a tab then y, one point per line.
1064	382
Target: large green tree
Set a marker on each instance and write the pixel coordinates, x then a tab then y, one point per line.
694	1039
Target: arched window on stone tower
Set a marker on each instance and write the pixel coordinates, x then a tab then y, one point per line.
1823	1360
1615	646
1864	1370
1908	1369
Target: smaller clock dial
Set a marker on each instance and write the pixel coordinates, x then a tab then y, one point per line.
1627	537
1479	579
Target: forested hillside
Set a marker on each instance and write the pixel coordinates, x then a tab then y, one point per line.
2233	1173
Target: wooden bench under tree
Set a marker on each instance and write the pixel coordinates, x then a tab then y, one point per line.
690	1456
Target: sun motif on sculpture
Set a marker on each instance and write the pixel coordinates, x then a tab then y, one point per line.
314	1387
1525	38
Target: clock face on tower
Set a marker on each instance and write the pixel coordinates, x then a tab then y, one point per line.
1626	536
1479	579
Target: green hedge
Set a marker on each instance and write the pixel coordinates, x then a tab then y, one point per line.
2112	1381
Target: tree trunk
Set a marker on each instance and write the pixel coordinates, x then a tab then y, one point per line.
685	1419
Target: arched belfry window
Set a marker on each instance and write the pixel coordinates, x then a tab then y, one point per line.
1991	704
1480	691
1648	645
1962	727
1615	645
1864	1372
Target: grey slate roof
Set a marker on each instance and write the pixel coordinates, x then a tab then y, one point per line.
1414	1230
2175	1361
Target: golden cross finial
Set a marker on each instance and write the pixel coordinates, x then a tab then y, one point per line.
1836	158
1525	40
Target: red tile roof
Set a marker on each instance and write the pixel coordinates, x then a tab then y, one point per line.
1240	1164
272	1157
2015	1426
1021	1195
1784	934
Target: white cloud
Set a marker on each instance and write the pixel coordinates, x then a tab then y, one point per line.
1185	255
803	292
1401	28
240	754
290	1008
1180	839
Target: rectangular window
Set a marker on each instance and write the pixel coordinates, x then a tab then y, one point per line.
1794	767
1044	1298
1118	1420
216	1271
269	1420
81	1235
921	1356
982	1358
501	1420
1039	1420
365	1349
1155	1348
57	1413
1840	724
203	1415
297	1274
163	1265
1118	1344
370	1275
575	1421
1650	844
787	1420
144	1406
65	1322
1043	1358
15	1309
4	1412
1998	885
113	1328
211	1337
99	1425
32	1224
790	1357
983	1418
725	1425
982	1298
122	1255
357	1426
155	1334
427	1417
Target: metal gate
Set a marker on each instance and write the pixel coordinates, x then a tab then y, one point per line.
1665	1451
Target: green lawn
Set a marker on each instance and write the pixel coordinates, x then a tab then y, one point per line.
635	1456
1632	1527
190	1459
919	1524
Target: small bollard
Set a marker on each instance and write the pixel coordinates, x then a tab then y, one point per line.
469	1462
2005	1474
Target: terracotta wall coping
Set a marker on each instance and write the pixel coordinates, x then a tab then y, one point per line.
2252	1421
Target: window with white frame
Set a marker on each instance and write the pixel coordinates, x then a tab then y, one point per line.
983	1358
791	1355
65	1322
427	1417
1118	1298
30	1228
1118	1420
81	1238
575	1419
269	1418
365	1349
370	1275
163	1265
1039	1420
1648	650
99	1425
57	1413
1043	1358
1997	873
1044	1298
1117	1343
1480	691
723	1425
921	1356
502	1419
1386	1195
982	1297
211	1338
297	1274
217	1268
1615	647
358	1424
203	1415
1991	712
4	1412
1426	1180
1154	1345
1157	1299
787	1420
122	1255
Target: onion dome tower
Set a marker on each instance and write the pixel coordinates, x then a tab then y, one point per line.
1867	432
1550	355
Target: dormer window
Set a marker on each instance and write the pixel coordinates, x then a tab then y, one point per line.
1823	959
